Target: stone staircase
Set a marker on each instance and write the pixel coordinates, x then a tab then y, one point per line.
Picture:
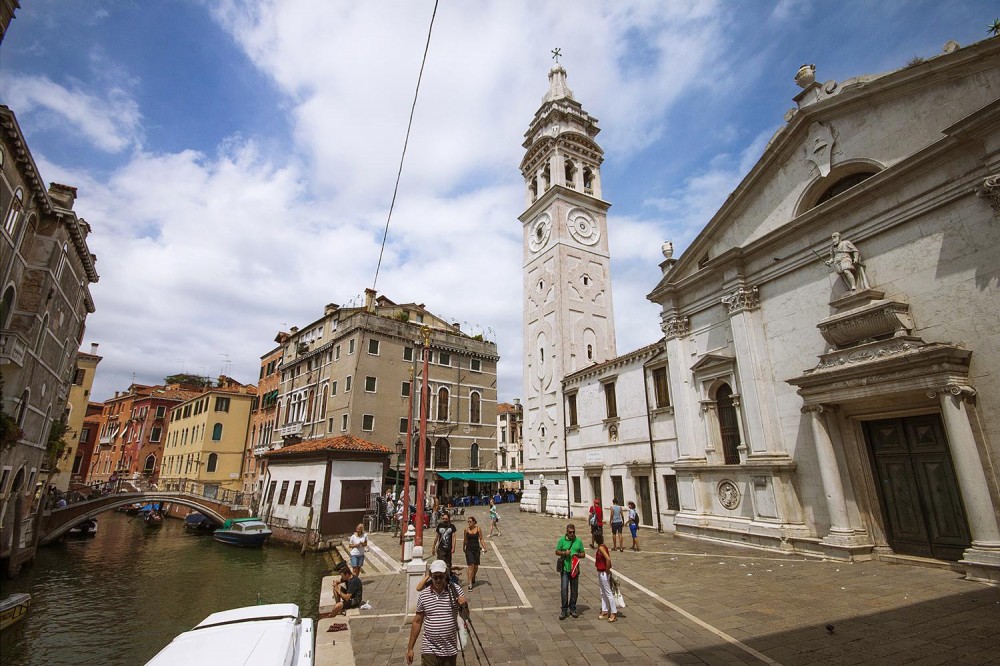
377	560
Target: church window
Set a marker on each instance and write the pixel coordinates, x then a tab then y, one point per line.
546	178
586	280
541	285
588	180
660	387
590	352
610	400
533	187
728	425
571	409
842	185
474	456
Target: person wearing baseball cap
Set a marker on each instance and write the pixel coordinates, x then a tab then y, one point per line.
437	606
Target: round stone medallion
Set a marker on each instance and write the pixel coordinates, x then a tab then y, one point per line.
729	494
582	227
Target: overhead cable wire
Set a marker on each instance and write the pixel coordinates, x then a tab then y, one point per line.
406	141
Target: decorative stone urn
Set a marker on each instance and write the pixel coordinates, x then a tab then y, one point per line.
806	76
668	249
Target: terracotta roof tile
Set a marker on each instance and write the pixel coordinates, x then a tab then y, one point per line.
340	443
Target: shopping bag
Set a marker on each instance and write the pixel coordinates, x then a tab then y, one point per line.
616	590
463	633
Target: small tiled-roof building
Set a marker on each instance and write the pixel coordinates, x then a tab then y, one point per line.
320	488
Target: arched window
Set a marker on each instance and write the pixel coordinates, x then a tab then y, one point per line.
217	432
590	352
149	465
442	406
474	456
729	426
588	180
7	307
441	454
842	185
570	173
533	188
14	212
546	178
475	408
213	462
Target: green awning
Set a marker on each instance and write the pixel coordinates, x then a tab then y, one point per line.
482	476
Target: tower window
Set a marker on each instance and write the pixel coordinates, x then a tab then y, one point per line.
570	173
588	180
590	352
586	280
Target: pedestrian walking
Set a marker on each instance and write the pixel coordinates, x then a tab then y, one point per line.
358	543
437	609
570	551
633	525
474	544
444	539
617	524
494	518
596	519
602	560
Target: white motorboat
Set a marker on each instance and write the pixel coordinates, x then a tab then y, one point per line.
268	635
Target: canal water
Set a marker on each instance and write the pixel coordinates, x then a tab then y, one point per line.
120	596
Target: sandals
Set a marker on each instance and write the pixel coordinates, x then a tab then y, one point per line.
602	616
613	618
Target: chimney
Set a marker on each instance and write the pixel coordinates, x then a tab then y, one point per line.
93	348
62	195
457	326
517	402
369	299
330	309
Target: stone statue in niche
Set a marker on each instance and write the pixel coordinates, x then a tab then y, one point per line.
846	260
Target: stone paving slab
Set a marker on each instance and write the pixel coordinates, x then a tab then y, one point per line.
699	603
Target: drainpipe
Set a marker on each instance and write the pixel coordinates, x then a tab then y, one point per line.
652	454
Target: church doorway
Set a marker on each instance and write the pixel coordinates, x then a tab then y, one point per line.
917	487
543	499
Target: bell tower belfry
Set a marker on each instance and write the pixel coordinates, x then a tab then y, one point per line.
568	315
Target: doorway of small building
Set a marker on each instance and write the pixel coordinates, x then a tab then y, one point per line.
917	487
543	500
645	502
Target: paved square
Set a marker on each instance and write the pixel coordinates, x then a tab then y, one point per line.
695	602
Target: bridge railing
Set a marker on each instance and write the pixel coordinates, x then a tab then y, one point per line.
208	491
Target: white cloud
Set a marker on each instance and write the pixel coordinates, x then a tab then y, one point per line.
111	123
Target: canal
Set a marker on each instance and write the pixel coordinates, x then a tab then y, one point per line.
120	596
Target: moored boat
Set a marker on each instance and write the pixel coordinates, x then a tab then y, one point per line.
268	635
14	608
198	523
243	532
84	528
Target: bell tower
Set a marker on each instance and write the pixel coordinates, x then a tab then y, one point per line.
568	315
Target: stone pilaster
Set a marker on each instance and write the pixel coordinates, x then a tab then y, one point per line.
982	559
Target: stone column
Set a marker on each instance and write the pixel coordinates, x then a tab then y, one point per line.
982	560
829	471
674	329
756	416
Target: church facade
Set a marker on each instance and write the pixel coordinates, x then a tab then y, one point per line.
833	333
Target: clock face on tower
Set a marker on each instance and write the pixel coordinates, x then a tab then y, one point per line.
538	235
582	227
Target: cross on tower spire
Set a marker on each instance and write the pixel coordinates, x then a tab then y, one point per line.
556	52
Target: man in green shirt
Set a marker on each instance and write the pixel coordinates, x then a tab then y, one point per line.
568	546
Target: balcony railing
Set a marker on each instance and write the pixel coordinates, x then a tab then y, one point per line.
290	429
12	348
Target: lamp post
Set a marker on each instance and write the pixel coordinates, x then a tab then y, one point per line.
409	459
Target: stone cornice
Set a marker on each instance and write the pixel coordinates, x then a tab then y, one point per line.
613	364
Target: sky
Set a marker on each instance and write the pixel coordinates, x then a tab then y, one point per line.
236	158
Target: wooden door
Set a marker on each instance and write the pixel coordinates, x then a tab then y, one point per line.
645	505
917	487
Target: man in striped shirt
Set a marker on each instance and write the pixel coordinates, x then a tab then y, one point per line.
437	606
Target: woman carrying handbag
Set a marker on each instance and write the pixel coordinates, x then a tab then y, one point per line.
602	560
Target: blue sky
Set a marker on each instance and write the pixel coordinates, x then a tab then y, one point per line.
236	158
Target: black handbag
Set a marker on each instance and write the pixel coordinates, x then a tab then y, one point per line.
560	564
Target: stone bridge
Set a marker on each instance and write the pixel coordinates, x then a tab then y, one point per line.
56	522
